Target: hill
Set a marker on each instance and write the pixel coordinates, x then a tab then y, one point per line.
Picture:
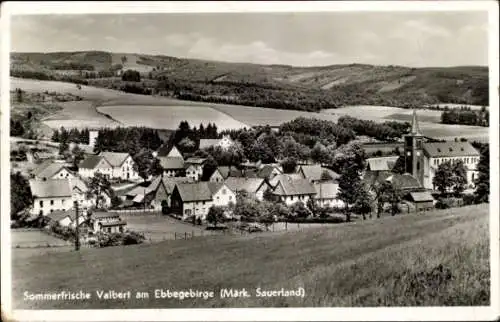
432	259
277	86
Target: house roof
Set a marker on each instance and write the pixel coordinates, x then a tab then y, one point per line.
48	169
421	196
104	214
226	171
382	163
114	223
250	185
206	143
293	176
403	181
293	187
316	172
195	160
116	159
266	171
449	149
78	183
170	182
58	215
172	163
90	162
215	186
50	188
326	190
198	191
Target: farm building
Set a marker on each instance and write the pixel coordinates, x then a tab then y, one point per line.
225	143
326	195
194	168
122	164
191	199
172	166
107	222
92	164
150	196
269	171
223	172
66	218
255	187
50	195
222	195
422	200
52	170
291	191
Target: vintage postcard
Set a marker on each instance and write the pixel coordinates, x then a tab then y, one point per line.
209	161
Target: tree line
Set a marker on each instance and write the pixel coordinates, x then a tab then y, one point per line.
466	117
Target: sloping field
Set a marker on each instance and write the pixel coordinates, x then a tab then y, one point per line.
437	258
79	114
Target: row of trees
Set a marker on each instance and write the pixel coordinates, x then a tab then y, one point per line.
71	135
466	117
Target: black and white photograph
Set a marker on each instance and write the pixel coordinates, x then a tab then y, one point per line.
249	156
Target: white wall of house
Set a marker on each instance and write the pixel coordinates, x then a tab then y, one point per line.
65	222
431	165
62	174
259	194
224	196
47	205
290	200
194	171
126	171
216	177
197	208
330	202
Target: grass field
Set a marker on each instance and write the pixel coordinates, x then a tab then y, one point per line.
34	238
372	263
166	113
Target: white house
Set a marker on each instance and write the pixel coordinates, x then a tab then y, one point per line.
92	164
223	172
316	173
291	191
52	170
222	195
194	168
191	199
67	218
79	190
123	165
107	222
50	195
326	195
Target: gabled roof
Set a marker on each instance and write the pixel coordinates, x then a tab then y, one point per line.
326	190
198	191
48	169
195	160
266	171
91	161
170	182
421	196
289	176
226	171
403	181
50	188
449	149
116	159
250	185
58	215
316	172
77	183
215	186
293	187
382	163
172	163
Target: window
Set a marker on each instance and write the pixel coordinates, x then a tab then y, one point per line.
109	229
52	202
41	203
230	197
62	202
51	210
224	191
187	212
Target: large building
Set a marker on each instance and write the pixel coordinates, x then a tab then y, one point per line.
423	158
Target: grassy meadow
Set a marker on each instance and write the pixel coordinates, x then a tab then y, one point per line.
428	259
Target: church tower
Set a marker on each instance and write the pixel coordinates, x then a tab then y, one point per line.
414	153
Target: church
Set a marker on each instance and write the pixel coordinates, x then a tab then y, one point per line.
423	157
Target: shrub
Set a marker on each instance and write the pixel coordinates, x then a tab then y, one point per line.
133	238
468	199
445	203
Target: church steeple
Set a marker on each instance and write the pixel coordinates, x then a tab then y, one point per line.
415	129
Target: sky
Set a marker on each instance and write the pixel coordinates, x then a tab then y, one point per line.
416	39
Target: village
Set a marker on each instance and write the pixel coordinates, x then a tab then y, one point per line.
94	194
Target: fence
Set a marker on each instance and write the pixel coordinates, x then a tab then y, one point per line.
135	211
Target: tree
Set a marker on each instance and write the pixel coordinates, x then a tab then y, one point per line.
55	136
215	215
394	197
380	196
320	154
98	185
289	165
349	183
313	206
78	155
63	147
209	168
443	178
482	191
116	201
20	194
267	217
399	166
459	178
363	203
19	95
131	76
300	210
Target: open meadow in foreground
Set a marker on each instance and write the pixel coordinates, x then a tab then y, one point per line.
436	258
